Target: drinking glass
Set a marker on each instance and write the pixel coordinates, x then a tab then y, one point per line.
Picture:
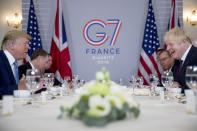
167	80
191	78
154	81
75	81
82	82
67	81
140	82
49	79
33	79
133	83
120	81
66	84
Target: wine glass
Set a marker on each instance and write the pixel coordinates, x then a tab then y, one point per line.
140	82
49	79
133	83
120	81
66	84
167	80
154	81
67	81
75	81
191	78
33	79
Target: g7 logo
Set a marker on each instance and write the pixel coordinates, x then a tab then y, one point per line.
102	35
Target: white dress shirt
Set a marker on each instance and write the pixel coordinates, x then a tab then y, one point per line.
185	54
32	66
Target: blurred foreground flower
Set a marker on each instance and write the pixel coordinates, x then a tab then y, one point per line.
101	101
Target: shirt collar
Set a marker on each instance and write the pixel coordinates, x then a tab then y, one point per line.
32	66
10	57
185	54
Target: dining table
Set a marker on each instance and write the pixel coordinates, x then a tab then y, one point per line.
155	115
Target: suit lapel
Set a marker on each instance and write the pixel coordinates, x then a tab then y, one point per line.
187	60
7	64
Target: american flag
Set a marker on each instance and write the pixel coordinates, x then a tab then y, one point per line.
32	29
59	47
150	44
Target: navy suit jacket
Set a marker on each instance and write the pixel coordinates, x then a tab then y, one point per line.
191	60
7	80
23	68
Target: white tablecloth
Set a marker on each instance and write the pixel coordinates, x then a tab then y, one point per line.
154	116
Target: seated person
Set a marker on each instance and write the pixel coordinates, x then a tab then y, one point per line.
14	47
165	60
39	60
49	63
180	47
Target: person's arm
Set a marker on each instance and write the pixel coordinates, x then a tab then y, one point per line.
7	89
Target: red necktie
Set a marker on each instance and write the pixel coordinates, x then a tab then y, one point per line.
179	68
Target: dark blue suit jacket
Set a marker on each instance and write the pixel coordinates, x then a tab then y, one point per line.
7	80
191	59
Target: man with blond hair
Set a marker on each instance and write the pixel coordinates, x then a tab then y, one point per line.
180	47
14	47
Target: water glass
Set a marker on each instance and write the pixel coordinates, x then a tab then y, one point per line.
167	80
154	81
66	84
191	78
49	79
33	79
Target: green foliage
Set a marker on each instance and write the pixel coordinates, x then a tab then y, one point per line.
92	121
135	111
82	105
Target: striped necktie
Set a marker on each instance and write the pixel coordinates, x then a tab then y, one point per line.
16	71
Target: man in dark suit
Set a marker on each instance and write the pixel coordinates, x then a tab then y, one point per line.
14	47
180	47
165	59
40	61
47	70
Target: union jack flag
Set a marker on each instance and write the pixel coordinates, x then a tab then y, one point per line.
32	29
59	47
148	64
174	18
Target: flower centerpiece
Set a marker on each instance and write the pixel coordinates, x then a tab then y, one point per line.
101	101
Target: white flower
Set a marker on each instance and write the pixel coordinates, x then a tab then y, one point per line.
114	101
100	76
83	91
98	106
84	88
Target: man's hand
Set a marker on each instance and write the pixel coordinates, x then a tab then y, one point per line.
22	84
175	85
